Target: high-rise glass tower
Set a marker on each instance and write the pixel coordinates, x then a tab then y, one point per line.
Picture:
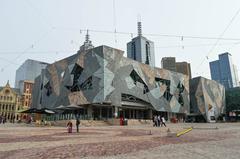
224	71
141	49
29	70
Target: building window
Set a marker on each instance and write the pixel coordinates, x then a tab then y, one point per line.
147	52
87	84
7	91
136	78
77	71
134	51
48	88
180	98
167	95
40	102
131	98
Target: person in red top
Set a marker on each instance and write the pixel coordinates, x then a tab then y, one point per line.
69	127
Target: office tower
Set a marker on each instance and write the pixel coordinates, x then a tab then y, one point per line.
184	68
170	63
141	49
224	71
29	70
87	44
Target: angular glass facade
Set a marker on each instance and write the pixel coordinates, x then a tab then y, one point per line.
224	71
29	70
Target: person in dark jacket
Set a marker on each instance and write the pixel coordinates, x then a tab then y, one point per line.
77	124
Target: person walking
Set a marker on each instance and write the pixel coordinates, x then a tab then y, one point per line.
69	127
77	124
163	121
4	120
155	121
159	121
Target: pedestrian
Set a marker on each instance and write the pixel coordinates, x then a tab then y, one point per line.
0	119
77	124
155	121
159	121
14	119
4	120
69	127
163	121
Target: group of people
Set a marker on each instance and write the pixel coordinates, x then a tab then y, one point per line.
70	126
3	119
159	121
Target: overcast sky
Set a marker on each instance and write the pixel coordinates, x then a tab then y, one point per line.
50	30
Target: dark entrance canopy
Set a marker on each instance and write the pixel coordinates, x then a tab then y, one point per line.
39	111
69	107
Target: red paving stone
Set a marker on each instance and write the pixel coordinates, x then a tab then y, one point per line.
122	141
102	148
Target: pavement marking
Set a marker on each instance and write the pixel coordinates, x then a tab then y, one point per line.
184	132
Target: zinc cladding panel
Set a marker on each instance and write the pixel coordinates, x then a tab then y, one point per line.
116	71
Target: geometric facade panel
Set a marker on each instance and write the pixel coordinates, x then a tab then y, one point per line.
207	98
104	75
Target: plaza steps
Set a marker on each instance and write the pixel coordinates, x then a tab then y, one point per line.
86	123
110	122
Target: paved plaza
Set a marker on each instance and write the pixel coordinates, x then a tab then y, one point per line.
145	141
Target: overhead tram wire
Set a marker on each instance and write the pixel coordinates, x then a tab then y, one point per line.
220	38
114	23
39	13
32	6
25	50
74	51
6	60
195	45
148	34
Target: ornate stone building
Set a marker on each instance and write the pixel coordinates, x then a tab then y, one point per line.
26	93
10	102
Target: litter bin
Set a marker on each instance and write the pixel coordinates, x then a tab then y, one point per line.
125	122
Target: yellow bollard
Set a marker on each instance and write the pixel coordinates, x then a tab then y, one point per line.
184	132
